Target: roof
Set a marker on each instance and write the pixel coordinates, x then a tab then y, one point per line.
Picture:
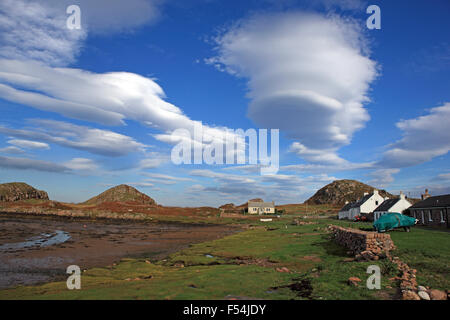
387	204
361	201
347	206
261	204
431	202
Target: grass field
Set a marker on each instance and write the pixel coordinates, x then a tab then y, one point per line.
245	265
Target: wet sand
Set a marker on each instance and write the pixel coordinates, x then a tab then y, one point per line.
39	249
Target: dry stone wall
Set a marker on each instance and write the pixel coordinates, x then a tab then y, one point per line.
365	245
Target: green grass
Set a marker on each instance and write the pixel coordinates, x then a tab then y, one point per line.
244	264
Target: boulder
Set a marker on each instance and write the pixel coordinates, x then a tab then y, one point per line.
438	295
353	281
410	295
424	295
422	288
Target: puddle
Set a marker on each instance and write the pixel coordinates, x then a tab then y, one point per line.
41	241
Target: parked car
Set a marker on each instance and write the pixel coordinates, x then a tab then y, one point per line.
394	220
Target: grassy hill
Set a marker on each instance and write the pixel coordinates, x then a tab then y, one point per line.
121	193
16	191
340	191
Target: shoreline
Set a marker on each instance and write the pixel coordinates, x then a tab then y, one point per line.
93	243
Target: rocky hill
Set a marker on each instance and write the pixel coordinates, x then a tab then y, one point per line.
340	191
122	193
16	191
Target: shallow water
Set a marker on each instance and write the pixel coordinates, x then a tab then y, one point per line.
43	240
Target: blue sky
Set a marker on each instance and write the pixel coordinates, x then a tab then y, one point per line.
83	110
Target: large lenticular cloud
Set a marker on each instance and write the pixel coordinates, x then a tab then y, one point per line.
307	75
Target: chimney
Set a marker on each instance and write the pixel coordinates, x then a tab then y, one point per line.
366	193
402	195
426	195
346	202
375	191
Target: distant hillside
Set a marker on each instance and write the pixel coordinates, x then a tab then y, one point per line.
122	193
16	191
340	191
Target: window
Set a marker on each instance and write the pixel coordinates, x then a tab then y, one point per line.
429	216
376	202
442	216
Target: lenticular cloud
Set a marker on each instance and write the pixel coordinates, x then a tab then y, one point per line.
308	75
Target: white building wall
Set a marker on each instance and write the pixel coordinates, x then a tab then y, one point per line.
372	203
400	206
343	215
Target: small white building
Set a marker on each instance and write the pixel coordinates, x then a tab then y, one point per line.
345	211
366	204
260	208
391	205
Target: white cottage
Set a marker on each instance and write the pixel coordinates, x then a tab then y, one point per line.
391	205
366	204
260	208
345	211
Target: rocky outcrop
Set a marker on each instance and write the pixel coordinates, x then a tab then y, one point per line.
16	191
122	193
340	191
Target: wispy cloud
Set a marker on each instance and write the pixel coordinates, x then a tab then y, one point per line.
423	138
37	31
97	141
29	144
11	150
31	164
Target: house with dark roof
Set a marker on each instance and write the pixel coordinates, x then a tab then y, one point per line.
344	212
365	205
434	211
399	205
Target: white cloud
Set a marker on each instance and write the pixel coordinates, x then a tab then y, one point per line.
382	177
110	16
34	30
316	168
326	156
82	164
423	139
31	164
97	141
141	184
107	98
164	178
153	160
279	187
29	144
308	75
11	150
